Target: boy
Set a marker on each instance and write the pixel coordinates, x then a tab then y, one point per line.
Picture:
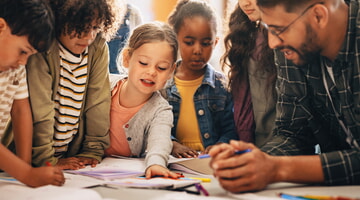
69	86
24	29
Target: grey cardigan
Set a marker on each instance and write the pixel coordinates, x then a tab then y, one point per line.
148	131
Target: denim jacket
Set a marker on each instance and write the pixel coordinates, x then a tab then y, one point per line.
213	105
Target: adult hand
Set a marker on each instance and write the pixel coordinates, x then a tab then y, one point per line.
182	151
250	171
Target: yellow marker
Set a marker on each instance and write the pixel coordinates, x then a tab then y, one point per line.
202	179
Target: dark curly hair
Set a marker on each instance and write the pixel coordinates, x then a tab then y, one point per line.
32	18
240	46
78	15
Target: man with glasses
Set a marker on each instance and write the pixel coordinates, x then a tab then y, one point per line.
318	59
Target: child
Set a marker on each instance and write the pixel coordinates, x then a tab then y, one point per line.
69	86
252	74
202	106
141	119
25	28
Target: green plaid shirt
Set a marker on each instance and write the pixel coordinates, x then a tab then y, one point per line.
305	116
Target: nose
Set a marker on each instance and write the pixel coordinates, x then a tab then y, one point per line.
152	71
273	41
197	49
90	35
244	3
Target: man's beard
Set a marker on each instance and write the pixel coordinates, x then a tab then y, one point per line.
309	50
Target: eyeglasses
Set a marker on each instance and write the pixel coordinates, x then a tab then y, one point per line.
277	31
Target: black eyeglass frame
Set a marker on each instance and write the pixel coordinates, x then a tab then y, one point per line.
277	33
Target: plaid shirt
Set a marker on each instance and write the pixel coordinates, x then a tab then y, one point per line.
305	116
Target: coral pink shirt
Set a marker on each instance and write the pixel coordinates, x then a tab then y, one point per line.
119	116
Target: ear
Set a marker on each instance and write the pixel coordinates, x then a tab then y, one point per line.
216	41
3	25
320	16
125	58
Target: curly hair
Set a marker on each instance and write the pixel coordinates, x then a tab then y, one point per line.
32	18
78	15
240	46
190	8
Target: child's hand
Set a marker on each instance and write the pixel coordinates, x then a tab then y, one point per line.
158	170
70	163
182	151
44	176
208	149
88	161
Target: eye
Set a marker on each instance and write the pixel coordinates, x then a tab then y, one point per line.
23	52
162	68
206	44
189	43
143	63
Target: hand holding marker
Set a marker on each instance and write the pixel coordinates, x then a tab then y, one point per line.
236	153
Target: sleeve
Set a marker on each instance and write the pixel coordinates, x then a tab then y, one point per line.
40	83
159	143
294	124
96	114
22	90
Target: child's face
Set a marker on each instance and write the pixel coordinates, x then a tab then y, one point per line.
78	45
15	50
149	66
197	39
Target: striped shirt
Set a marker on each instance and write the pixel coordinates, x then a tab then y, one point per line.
13	86
69	97
305	116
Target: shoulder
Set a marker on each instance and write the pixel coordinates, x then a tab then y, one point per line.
159	100
214	77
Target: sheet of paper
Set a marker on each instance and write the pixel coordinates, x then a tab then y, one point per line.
191	165
15	191
113	168
158	182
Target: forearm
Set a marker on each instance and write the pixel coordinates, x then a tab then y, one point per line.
22	126
298	169
13	165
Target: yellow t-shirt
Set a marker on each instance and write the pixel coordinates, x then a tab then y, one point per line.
187	130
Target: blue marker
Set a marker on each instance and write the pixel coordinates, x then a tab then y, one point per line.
236	153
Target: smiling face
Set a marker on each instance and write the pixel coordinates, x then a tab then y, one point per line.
15	50
197	40
77	45
148	70
292	34
250	8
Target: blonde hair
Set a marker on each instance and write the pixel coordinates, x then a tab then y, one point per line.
151	32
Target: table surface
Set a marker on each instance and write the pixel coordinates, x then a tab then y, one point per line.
217	192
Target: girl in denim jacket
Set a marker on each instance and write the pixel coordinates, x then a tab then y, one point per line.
202	106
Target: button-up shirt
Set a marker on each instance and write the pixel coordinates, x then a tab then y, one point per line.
305	116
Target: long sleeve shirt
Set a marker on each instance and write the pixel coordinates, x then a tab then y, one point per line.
305	116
